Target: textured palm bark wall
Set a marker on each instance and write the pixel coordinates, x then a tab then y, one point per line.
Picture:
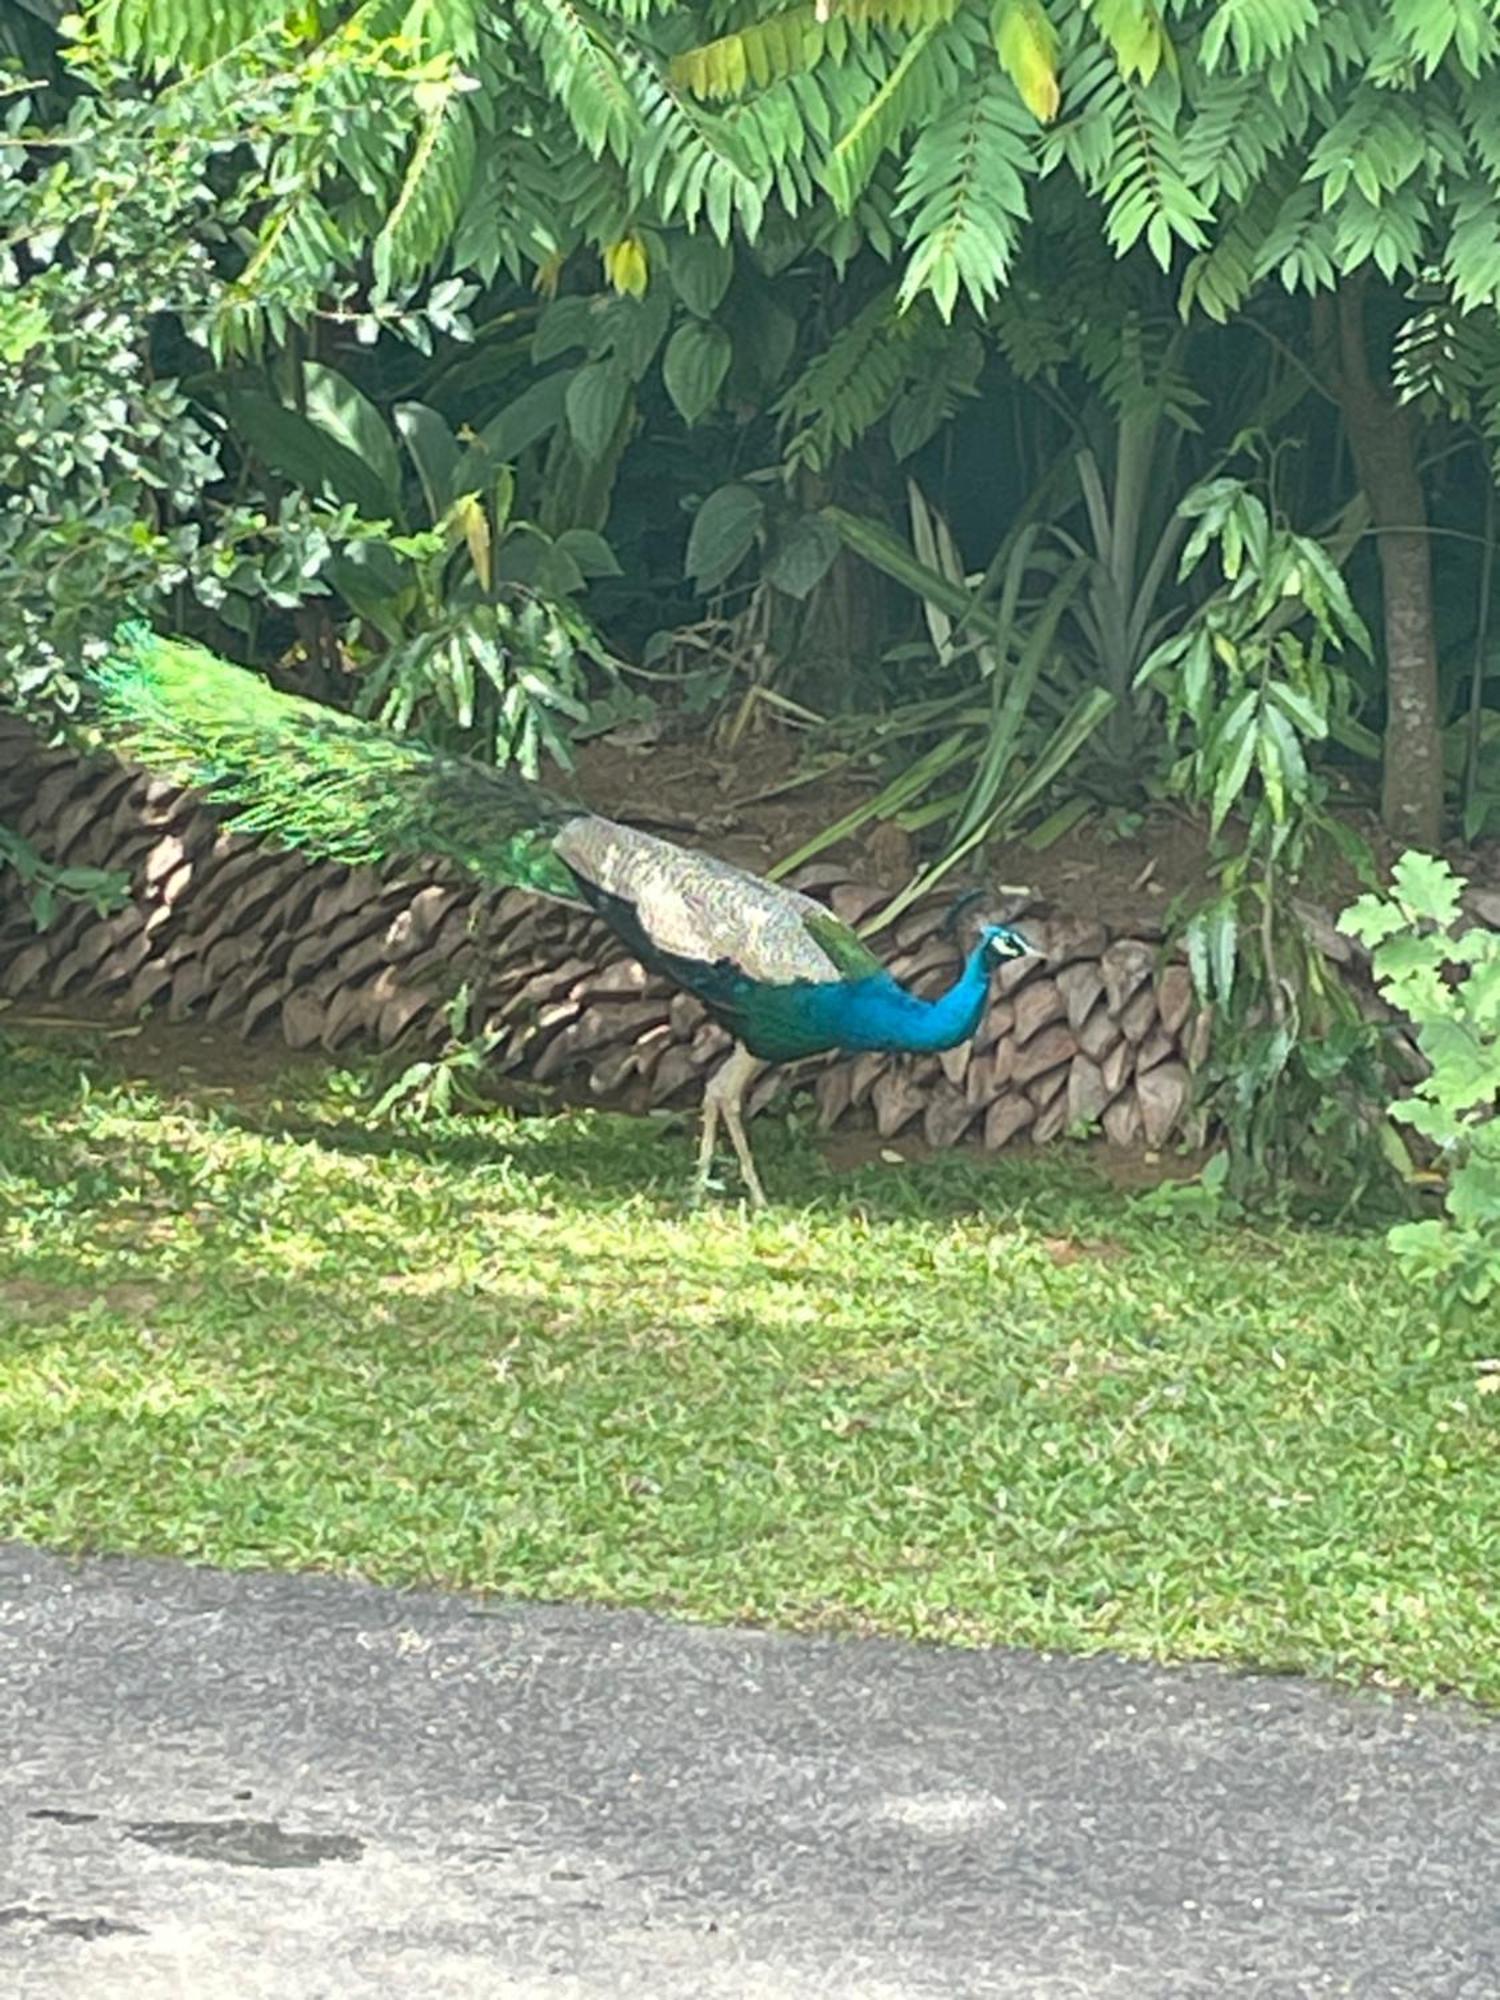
1097	1031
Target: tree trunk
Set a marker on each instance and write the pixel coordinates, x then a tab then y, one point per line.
1383	438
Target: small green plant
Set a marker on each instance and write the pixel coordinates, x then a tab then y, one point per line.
1253	684
1016	721
1447	983
438	1086
48	886
476	636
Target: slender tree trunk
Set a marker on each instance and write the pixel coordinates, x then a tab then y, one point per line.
1383	438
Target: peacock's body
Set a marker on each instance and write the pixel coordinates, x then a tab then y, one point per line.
783	974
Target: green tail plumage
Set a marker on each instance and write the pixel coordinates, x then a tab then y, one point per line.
305	776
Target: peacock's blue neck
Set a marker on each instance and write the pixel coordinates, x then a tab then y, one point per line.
876	1013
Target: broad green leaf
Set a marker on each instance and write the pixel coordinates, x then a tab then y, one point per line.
1027	45
694	366
803	556
23	326
566	323
637	327
1197	676
1301	708
1268	762
433	450
1221	936
1475	1195
1290	764
1233	774
1464	1070
304	454
595	402
700	268
536	411
723	533
1371	919
1427	886
765	336
889	554
589	551
348	416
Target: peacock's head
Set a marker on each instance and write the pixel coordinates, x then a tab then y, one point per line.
1002	941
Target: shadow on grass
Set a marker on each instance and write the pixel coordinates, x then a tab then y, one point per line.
604	1418
592	1159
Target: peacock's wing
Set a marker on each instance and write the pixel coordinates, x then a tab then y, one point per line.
306	776
691	909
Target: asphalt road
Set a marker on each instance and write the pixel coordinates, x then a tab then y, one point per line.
248	1786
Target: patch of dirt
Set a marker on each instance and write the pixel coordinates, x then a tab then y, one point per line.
691	792
752	805
1132	1169
210	1062
36	1295
768	795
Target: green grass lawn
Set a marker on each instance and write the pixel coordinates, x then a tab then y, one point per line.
972	1402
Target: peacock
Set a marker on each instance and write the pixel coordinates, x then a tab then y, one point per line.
778	970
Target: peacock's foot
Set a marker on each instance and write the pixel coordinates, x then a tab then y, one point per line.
714	1188
722	1099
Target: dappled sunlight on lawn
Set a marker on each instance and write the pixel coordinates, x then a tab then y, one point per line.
975	1402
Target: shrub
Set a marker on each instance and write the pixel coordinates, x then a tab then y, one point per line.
1447	983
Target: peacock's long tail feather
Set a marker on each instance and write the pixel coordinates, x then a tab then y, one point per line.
303	775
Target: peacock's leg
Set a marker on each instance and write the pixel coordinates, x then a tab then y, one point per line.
706	1142
723	1097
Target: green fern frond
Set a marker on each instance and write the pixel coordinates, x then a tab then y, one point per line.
1219	280
439	174
1390	234
942	374
1145	187
694	163
1300	248
586	74
443	27
161	35
850	386
1432	359
772	128
1471	260
1429	30
1135	35
1255	32
963	195
1450	360
1235	132
914	88
1376	145
794	40
298	255
762	52
1479	112
1034	336
511	218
